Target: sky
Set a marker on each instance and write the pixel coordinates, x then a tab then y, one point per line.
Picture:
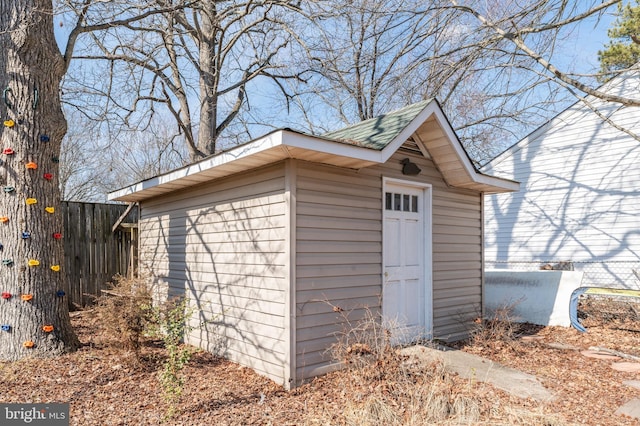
582	45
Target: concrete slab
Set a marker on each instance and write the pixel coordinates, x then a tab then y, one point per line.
627	367
630	409
632	383
473	367
599	355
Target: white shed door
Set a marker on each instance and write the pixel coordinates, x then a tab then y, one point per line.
406	303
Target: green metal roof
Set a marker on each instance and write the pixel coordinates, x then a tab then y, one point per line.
377	133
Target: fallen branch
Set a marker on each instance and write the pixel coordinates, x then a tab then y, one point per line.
616	353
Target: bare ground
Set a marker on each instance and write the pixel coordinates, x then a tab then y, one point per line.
109	386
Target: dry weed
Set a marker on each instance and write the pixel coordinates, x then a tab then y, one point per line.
124	312
390	390
498	327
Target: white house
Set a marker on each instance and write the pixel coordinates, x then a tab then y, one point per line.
580	193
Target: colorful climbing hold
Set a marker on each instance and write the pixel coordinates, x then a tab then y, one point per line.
26	297
47	328
55	268
30	201
8	189
7	262
28	344
60	293
6	295
4	219
44	138
6	327
50	209
31	165
8	151
55	159
25	235
48	176
9	123
33	262
57	235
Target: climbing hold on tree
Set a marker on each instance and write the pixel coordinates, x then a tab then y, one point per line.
8	189
31	165
4	219
36	98
44	138
25	235
9	123
8	151
60	293
33	262
55	159
6	327
5	96
55	268
47	328
28	344
57	235
49	209
27	297
30	201
6	295
7	262
48	176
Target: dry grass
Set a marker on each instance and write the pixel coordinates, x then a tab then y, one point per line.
387	387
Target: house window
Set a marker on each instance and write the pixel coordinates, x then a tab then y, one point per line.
401	202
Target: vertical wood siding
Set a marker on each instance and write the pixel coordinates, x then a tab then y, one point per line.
222	245
339	260
579	191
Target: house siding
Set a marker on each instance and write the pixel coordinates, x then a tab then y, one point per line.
339	246
456	248
579	195
223	246
339	254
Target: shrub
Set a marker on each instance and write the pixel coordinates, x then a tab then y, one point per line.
170	323
125	312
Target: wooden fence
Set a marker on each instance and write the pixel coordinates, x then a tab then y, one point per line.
94	253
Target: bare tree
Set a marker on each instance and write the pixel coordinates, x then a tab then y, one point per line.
371	56
490	64
34	313
196	58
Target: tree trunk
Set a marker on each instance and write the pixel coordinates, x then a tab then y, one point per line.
33	311
207	134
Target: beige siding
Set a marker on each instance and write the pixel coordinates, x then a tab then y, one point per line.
456	244
339	253
223	245
339	246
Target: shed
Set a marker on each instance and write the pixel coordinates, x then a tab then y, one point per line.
578	206
269	239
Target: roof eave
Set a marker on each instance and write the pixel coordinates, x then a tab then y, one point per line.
276	146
